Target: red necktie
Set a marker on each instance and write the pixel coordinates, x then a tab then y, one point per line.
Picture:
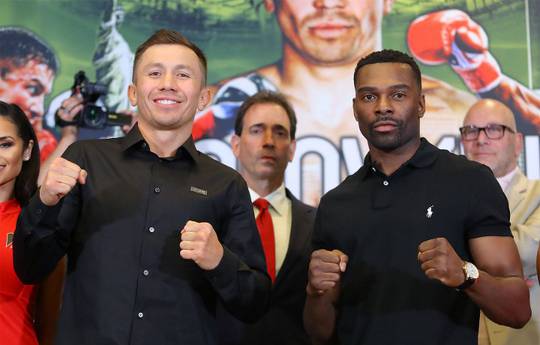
266	231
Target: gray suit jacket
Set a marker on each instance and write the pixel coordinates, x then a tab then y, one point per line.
524	202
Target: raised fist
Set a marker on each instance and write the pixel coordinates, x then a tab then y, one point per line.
61	177
451	36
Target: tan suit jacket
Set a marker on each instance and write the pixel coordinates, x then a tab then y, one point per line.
524	202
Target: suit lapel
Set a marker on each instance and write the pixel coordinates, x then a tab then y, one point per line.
515	192
299	236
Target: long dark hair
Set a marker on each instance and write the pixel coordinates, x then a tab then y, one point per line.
26	182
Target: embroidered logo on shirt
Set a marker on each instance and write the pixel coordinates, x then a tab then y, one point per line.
198	190
429	212
9	240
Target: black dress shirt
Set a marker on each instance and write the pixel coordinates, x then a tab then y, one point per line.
126	282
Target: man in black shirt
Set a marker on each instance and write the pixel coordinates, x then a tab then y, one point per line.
155	232
412	244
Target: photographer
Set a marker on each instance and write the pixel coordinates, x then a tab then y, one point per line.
69	129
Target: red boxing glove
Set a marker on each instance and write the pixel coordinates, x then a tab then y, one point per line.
204	124
452	36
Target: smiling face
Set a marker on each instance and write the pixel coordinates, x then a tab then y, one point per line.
330	31
168	87
264	147
388	105
500	155
12	153
27	87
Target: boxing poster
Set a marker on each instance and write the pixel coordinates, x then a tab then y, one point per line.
307	50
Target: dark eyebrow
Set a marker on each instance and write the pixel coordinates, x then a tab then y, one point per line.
393	87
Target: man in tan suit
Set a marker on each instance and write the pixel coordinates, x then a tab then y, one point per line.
489	136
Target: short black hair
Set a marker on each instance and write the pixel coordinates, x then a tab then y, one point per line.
165	36
26	181
389	55
265	97
21	45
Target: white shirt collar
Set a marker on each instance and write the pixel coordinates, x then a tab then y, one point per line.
504	181
277	199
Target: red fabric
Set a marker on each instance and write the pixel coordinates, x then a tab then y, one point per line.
16	299
47	144
266	231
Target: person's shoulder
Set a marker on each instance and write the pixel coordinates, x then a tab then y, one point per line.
298	203
461	168
346	189
212	166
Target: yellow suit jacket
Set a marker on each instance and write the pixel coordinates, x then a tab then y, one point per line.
524	203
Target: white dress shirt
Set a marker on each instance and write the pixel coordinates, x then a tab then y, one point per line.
281	212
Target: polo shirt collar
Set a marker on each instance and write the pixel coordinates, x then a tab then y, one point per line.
134	139
422	158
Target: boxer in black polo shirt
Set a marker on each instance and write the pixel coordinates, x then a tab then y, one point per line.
414	243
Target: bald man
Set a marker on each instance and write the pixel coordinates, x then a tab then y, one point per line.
489	136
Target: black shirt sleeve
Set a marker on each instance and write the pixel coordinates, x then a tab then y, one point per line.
488	210
43	232
240	279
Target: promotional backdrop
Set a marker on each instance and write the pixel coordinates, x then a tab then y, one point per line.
248	50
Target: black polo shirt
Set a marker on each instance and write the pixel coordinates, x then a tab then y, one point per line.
126	283
379	221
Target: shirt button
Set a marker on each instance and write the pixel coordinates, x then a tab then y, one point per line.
140	315
146	273
385	183
151	229
157	190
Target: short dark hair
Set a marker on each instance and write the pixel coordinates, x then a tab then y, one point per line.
389	55
165	36
20	46
26	181
265	97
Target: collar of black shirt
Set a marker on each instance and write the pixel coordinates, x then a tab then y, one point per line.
422	158
135	140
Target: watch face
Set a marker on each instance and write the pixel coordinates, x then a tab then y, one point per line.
471	271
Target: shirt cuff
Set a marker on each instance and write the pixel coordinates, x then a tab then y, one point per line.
37	214
225	272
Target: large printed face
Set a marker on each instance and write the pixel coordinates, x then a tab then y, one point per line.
26	86
500	155
12	152
264	147
330	31
388	105
169	87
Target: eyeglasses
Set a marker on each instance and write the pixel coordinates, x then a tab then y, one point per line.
492	131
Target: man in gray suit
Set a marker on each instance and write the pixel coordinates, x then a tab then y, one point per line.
489	136
264	143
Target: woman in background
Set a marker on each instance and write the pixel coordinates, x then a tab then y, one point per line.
28	313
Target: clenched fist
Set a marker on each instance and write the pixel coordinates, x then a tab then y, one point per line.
61	177
439	261
325	268
199	242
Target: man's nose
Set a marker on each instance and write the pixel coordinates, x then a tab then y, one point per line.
383	106
35	106
168	81
268	138
482	137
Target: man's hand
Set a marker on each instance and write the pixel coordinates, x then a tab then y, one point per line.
325	270
440	261
451	36
68	110
199	242
61	177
